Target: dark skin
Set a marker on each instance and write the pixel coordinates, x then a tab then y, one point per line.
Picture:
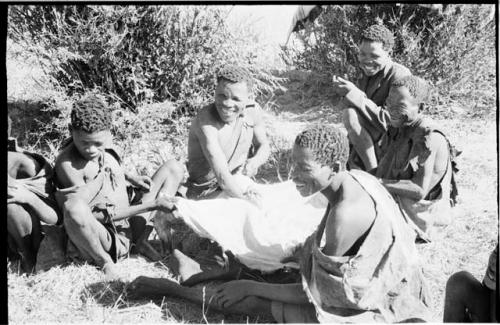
373	57
468	300
351	214
77	165
403	108
210	128
25	209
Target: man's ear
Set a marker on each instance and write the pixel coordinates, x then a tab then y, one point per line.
336	166
421	107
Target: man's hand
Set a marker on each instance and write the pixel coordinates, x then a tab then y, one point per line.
342	86
254	196
16	193
144	183
231	292
251	167
166	203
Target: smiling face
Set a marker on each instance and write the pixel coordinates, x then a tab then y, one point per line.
230	99
401	106
372	57
308	175
90	145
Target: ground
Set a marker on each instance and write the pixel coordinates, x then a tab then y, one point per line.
75	293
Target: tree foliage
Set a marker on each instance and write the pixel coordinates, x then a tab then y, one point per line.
133	53
454	48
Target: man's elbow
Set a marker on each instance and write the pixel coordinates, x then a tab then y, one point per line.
419	194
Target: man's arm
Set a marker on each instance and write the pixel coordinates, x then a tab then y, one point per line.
207	135
418	187
230	293
260	142
366	107
17	193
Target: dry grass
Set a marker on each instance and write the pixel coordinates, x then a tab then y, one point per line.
78	293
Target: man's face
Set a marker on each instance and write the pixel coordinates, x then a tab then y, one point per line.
230	99
401	106
372	57
308	175
90	145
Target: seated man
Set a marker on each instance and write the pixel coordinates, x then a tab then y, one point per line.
221	138
468	300
30	201
366	124
417	166
360	265
93	191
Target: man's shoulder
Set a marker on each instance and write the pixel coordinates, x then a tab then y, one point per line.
66	155
253	111
205	115
397	71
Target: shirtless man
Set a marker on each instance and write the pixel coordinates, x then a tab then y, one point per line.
365	126
223	134
93	190
417	165
29	201
227	137
340	263
468	300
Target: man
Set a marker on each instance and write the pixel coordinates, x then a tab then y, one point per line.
29	201
223	134
366	124
93	190
360	265
226	137
468	300
417	166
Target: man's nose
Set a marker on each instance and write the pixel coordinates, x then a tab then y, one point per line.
227	102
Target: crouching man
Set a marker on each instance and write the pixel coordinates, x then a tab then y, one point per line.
417	165
93	188
30	201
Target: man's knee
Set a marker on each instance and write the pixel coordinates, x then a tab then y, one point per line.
459	283
18	217
173	169
76	213
351	121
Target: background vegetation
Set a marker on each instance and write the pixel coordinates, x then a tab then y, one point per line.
155	67
453	48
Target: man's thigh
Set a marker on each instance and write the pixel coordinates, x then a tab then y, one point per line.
373	128
293	313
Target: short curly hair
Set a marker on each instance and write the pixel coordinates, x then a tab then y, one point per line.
419	88
379	33
327	142
91	114
235	73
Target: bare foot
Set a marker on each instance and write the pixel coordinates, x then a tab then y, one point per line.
111	271
145	249
146	288
183	265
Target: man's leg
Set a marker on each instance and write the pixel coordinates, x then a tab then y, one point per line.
360	138
24	229
465	296
151	288
166	180
88	234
